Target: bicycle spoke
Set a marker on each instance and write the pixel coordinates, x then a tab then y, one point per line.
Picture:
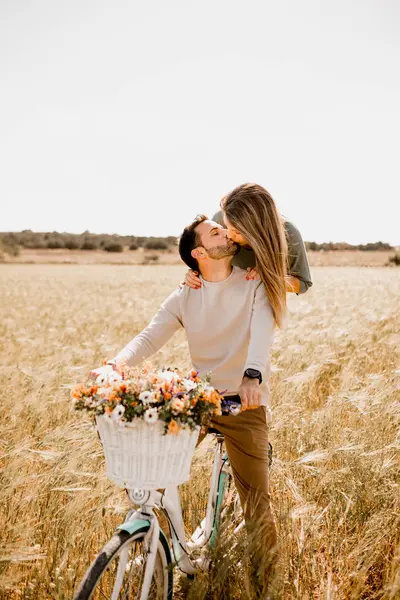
124	577
134	564
117	580
123	560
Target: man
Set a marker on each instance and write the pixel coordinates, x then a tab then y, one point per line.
229	327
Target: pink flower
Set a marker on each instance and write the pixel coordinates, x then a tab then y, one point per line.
177	406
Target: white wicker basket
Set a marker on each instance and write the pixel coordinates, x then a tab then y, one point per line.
138	455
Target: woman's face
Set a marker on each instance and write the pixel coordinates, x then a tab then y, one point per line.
233	233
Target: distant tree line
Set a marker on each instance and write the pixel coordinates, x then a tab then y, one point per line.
11	242
335	246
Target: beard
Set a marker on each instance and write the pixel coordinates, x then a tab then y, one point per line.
229	249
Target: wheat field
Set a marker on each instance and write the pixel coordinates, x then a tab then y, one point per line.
336	431
336	258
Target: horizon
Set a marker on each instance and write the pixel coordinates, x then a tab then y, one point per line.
88	232
121	118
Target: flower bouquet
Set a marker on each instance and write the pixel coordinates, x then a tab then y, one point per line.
148	421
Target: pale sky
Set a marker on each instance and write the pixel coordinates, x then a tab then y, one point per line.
128	117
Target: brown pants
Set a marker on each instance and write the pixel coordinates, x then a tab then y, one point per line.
246	440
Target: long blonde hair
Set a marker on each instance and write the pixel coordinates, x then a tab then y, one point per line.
252	211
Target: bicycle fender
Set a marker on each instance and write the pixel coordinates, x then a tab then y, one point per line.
133	526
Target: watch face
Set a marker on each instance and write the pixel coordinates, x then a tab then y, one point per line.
252	373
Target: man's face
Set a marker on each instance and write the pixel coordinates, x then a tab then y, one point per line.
215	241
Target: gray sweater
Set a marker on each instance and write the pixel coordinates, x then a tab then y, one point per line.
229	327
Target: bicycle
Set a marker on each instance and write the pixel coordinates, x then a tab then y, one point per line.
138	561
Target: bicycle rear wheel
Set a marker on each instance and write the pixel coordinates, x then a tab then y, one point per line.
117	572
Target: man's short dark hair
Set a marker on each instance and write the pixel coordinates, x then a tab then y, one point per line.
189	240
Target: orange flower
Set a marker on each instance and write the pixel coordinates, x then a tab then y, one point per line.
167	396
214	398
93	390
123	388
108	409
173	427
78	391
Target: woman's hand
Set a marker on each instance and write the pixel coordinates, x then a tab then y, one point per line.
292	284
252	274
192	280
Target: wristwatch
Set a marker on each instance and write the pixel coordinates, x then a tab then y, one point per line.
253	374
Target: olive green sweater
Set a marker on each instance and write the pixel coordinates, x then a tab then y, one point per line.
298	262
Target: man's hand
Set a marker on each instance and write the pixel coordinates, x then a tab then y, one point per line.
94	373
250	393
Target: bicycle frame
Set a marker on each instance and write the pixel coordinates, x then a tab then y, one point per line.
169	502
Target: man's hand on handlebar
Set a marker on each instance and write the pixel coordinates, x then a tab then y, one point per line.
250	393
94	373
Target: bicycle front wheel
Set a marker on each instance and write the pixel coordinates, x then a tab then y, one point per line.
117	572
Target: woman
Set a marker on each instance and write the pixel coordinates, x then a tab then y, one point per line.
249	213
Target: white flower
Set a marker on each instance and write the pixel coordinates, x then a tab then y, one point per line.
189	385
114	377
235	410
168	376
107	374
208	389
118	412
151	415
146	397
101	379
89	402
